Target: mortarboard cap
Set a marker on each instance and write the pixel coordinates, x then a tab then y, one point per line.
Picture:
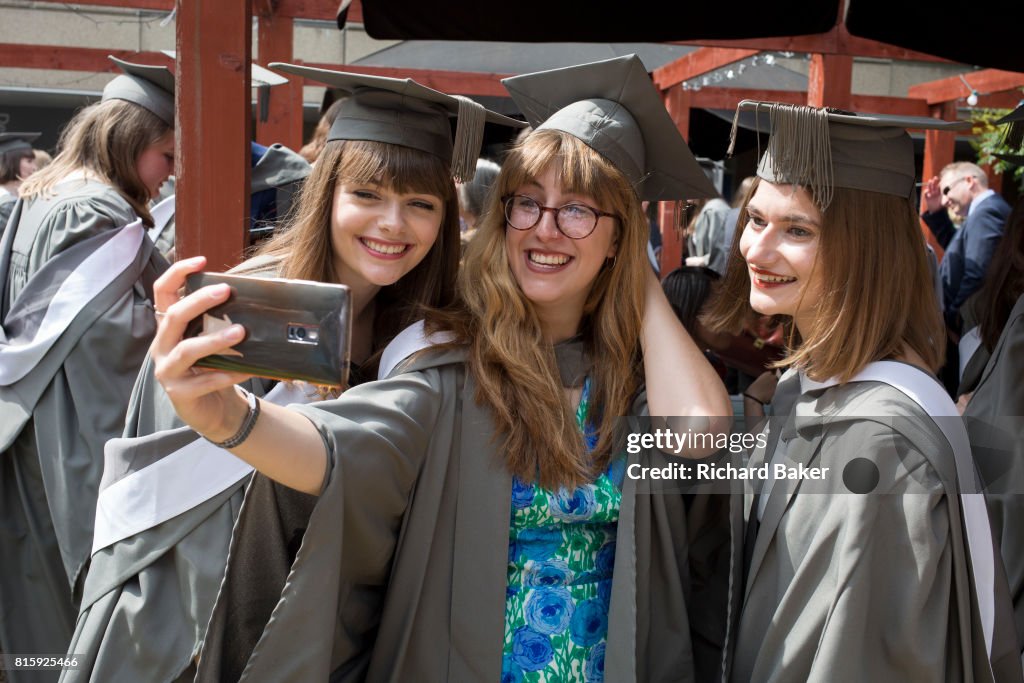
1014	136
403	112
150	87
261	79
258	76
823	149
614	108
15	142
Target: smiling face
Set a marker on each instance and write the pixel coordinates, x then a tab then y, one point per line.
156	163
958	190
780	246
556	272
378	235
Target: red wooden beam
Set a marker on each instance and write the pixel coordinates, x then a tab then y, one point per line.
284	119
214	129
458	82
158	5
72	58
838	41
938	151
1009	99
263	8
879	104
671	238
728	98
322	10
678	103
950	89
697	63
829	80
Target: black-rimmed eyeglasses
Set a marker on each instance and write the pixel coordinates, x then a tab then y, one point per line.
574	220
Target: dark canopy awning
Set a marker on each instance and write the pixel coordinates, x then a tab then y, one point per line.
986	35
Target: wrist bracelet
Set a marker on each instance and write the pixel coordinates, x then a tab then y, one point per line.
247	424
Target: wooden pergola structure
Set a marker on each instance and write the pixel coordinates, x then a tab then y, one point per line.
213	45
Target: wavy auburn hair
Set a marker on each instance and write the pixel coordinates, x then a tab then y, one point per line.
104	139
304	246
877	297
514	366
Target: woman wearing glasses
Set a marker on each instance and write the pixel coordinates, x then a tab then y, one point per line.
474	521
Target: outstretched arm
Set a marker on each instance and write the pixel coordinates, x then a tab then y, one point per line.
283	445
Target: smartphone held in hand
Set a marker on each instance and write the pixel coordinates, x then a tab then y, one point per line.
294	329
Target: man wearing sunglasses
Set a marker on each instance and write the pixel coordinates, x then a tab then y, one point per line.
962	188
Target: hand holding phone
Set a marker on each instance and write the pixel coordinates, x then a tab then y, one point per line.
295	329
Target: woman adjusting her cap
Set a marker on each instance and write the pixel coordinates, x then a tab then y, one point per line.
473	517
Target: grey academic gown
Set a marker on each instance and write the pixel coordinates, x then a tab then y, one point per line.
147	598
995	423
859	587
55	420
7	202
401	575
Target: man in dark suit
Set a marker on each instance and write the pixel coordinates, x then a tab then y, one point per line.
962	187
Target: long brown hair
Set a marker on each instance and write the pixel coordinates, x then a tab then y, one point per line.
311	150
514	366
104	139
1004	281
877	298
304	246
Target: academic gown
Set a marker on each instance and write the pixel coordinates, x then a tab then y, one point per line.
402	572
148	597
55	420
839	586
995	423
7	201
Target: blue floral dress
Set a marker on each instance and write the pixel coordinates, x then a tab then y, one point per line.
560	557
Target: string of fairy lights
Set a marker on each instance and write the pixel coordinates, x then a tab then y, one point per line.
737	69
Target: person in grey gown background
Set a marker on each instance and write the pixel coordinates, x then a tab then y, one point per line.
17	162
77	270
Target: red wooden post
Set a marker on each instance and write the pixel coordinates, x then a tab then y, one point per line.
938	151
677	102
284	121
829	81
671	238
214	44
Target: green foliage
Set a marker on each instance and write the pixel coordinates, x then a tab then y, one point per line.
989	141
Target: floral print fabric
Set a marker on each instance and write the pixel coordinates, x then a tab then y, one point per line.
560	558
